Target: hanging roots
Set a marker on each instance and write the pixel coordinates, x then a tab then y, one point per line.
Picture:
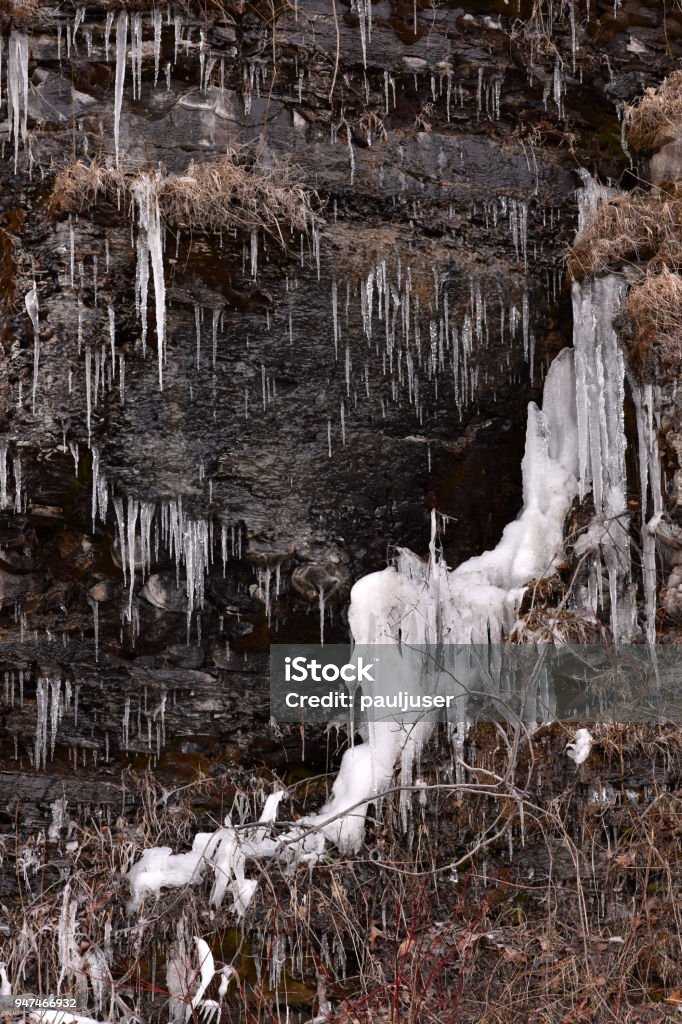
227	193
655	309
656	114
631	228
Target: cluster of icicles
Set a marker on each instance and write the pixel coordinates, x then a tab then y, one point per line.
142	529
129	35
448	348
574	444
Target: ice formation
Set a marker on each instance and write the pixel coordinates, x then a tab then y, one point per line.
477	602
579	749
121	44
17	89
31	302
646	399
206	973
224	851
150	250
412	603
5	984
600	392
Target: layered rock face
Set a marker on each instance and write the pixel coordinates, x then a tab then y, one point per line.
322	390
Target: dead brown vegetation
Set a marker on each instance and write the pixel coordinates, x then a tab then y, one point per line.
523	882
655	309
629	229
657	114
232	192
22	13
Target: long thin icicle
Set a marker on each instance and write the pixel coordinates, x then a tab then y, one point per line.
150	245
121	44
17	90
31	301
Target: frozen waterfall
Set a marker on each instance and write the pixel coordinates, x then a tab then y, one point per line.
414	602
600	394
420	602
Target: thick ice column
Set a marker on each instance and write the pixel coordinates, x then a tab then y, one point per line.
600	397
415	602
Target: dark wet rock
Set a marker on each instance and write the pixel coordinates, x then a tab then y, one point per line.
448	158
17	586
161	591
314	581
106	590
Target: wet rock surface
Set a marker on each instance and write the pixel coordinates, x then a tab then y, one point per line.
307	420
308	426
319	399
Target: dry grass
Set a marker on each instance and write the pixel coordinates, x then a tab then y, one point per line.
555	625
657	114
226	193
22	13
655	309
566	905
631	228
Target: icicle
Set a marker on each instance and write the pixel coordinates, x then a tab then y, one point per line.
157	23
3	476
645	399
151	246
40	742
120	523
16	472
142	287
17	89
133	507
351	155
88	391
107	33
95	483
136	54
216	320
254	253
197	324
121	44
72	245
600	395
31	300
112	333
